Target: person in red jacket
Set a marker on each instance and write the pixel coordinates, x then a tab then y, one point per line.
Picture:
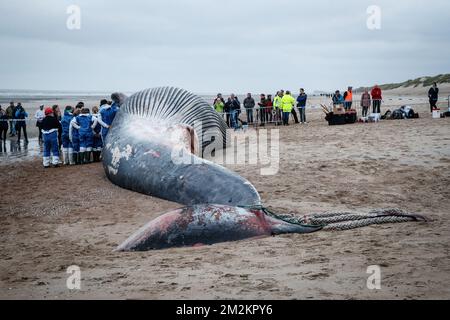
376	99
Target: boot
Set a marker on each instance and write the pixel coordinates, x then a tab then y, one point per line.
87	157
71	159
66	157
81	157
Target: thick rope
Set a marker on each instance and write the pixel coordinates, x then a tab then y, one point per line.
334	221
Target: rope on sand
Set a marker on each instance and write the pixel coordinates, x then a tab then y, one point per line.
335	221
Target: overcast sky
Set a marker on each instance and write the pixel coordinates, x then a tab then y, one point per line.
208	46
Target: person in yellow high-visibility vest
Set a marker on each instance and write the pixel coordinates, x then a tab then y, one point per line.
287	103
277	107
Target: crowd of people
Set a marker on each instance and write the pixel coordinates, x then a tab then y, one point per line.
78	133
14	118
279	109
267	110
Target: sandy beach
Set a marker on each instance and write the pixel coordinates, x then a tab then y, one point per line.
52	219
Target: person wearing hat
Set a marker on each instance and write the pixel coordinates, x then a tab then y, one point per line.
50	127
66	144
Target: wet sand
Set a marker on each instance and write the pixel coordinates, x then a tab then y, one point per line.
51	219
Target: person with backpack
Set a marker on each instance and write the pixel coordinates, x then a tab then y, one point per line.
21	115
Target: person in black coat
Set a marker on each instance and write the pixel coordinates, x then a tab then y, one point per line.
433	95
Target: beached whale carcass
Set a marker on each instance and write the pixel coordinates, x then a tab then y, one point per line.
154	147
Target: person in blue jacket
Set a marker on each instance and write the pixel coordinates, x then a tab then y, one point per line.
66	144
301	105
86	123
21	115
106	116
98	142
74	136
50	127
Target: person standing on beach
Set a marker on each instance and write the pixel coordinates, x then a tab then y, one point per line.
269	105
68	155
287	104
86	123
106	117
376	99
235	111
3	125
57	114
348	98
365	102
98	142
228	108
50	127
39	116
301	105
74	136
277	107
433	96
21	115
294	113
262	108
10	111
249	104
